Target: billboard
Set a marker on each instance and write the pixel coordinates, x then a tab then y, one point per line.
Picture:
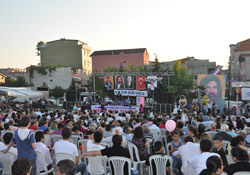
215	88
129	82
140	82
109	82
140	101
245	93
152	82
119	82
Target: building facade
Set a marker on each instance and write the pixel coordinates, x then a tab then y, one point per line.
114	58
194	66
240	61
67	53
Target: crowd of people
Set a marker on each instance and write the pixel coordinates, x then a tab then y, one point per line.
196	146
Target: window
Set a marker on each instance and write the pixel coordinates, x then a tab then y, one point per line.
84	62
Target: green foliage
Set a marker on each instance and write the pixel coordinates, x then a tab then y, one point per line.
19	82
157	65
38	47
72	86
182	82
57	92
202	90
43	70
44	85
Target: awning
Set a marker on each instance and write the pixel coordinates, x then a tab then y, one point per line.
24	92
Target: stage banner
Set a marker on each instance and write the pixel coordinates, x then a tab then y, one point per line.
119	82
129	82
140	101
132	93
215	88
245	93
140	82
120	109
109	82
152	82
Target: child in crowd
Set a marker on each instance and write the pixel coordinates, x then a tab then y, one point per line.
174	145
217	141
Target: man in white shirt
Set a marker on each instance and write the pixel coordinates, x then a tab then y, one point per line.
41	147
198	163
7	138
189	149
65	146
95	145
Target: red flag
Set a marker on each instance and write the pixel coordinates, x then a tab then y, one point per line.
140	82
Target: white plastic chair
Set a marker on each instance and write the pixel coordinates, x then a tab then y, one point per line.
47	140
163	131
83	149
225	144
63	156
74	139
93	161
133	149
160	164
242	173
156	134
56	138
212	134
167	148
42	156
106	145
118	165
5	160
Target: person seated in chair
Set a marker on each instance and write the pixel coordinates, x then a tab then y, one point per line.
159	148
42	148
65	146
116	150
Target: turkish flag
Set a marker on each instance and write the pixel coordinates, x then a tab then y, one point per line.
140	82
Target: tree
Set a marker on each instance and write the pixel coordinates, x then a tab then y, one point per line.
38	47
157	65
58	92
181	83
19	82
72	86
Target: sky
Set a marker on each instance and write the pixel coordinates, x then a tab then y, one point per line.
173	29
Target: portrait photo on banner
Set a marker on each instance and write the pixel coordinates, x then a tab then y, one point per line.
119	82
215	89
129	82
109	82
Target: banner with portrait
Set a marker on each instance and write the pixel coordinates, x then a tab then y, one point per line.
215	89
119	82
129	82
109	82
152	82
140	83
140	101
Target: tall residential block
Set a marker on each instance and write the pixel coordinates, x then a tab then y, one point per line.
67	53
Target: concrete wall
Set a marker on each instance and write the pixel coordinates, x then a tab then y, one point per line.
100	62
61	77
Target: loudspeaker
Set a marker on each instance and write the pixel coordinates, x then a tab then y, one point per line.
164	97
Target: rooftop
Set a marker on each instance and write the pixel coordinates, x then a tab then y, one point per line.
117	52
